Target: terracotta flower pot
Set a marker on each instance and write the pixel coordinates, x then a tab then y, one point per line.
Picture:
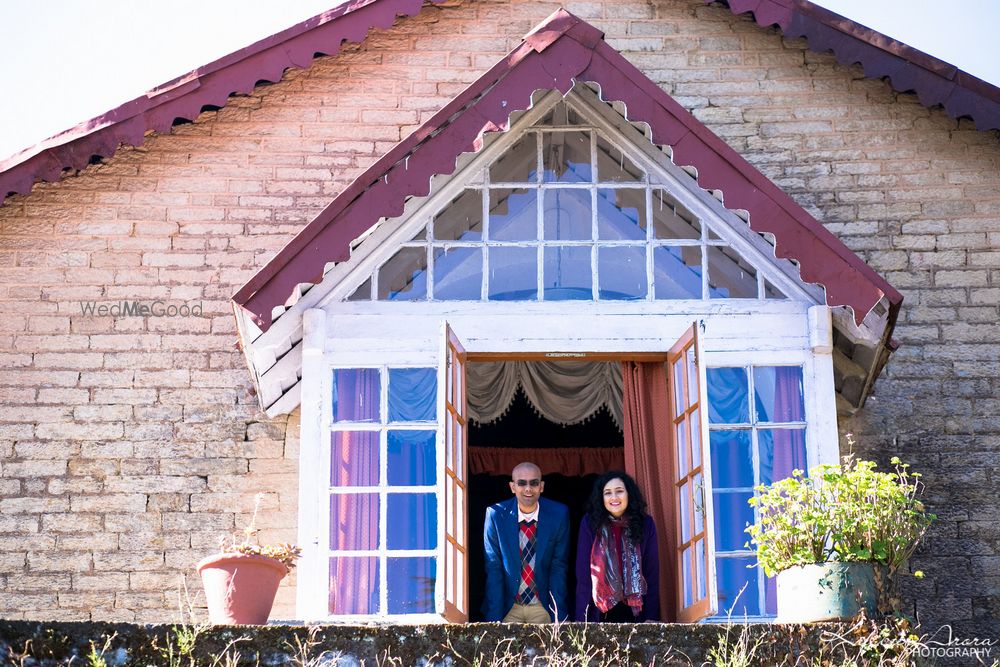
240	589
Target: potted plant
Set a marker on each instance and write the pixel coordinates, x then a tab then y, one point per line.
241	580
837	537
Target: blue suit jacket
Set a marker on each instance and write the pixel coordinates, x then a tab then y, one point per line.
503	558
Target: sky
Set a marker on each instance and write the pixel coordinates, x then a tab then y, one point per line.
66	61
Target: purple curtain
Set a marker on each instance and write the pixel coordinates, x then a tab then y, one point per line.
789	444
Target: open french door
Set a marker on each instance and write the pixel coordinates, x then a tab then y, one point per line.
452	399
697	590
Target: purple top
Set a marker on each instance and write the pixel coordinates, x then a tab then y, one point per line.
649	552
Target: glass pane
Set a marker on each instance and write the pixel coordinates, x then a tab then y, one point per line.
449	503
728	401
460	513
354	458
699	503
412	521
412	394
778	393
567	273
411	458
680	400
732	459
460	601
458	274
354	585
729	275
677	272
781	452
567	215
622	272
566	157
733	575
513	215
513	274
355	394
518	164
613	165
363	293
411	585
680	437
732	515
772	292
685	510
621	215
404	277
688	584
449	443
699	568
353	521
670	220
770	596
692	369
695	422
459	462
462	219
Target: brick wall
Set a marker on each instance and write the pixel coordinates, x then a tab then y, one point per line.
128	445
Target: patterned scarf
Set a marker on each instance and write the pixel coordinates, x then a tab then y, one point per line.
610	585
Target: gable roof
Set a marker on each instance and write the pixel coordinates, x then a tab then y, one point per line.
907	69
560	51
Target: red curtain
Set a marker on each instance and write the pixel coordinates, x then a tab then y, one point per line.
574	462
648	458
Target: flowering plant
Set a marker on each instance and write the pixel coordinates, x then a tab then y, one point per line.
250	545
848	513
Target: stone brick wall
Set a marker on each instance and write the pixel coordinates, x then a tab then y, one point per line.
129	444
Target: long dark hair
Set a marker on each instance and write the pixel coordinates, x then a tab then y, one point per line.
635	513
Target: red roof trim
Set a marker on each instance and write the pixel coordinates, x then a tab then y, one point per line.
908	69
562	50
211	85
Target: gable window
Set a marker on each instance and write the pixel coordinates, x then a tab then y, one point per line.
565	214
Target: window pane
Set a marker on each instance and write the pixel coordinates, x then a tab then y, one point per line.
513	274
613	165
621	215
363	293
412	521
772	292
513	215
353	521
355	394
411	585
354	458
567	215
729	275
699	503
699	565
680	435
770	596
458	274
462	219
412	394
732	516
733	575
518	164
404	277
567	273
732	459
781	452
680	399
622	272
728	401
566	156
354	585
778	393
670	220
688	583
412	458
677	272
685	510
695	437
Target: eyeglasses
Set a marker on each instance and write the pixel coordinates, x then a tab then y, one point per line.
528	482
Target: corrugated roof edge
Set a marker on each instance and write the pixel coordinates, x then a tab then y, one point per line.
559	52
210	85
934	81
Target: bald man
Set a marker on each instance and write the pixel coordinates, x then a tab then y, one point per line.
527	541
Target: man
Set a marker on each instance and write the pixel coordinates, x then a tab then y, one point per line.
527	541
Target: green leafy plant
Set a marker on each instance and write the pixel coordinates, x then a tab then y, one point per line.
848	513
249	544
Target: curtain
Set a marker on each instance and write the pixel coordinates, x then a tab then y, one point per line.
573	462
648	459
789	444
564	392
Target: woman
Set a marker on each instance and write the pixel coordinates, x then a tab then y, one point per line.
617	558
